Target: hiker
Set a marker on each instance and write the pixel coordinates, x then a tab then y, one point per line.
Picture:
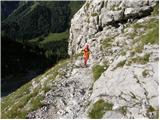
86	51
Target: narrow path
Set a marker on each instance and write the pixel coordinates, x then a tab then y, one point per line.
69	98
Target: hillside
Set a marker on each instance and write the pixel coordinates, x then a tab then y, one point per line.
121	80
36	18
27	25
13	59
31	41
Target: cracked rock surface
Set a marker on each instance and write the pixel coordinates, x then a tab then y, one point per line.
69	98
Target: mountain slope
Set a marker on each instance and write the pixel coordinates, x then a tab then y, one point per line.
33	18
21	61
121	80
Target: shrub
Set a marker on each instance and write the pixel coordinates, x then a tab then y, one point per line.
99	108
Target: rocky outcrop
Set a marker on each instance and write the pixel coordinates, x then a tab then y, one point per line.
96	16
111	28
129	87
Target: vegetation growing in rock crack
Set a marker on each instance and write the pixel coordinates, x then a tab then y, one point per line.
98	70
151	36
87	5
76	56
141	60
123	110
123	53
107	43
150	111
94	14
155	10
120	64
145	73
99	108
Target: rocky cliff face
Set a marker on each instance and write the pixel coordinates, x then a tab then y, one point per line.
119	34
121	80
104	18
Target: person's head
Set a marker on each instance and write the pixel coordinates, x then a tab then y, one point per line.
86	47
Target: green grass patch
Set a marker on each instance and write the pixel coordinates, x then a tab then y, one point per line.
94	14
36	103
97	71
151	37
51	37
123	53
152	23
138	25
155	10
99	108
138	48
141	60
46	89
56	37
107	43
132	35
54	70
16	107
